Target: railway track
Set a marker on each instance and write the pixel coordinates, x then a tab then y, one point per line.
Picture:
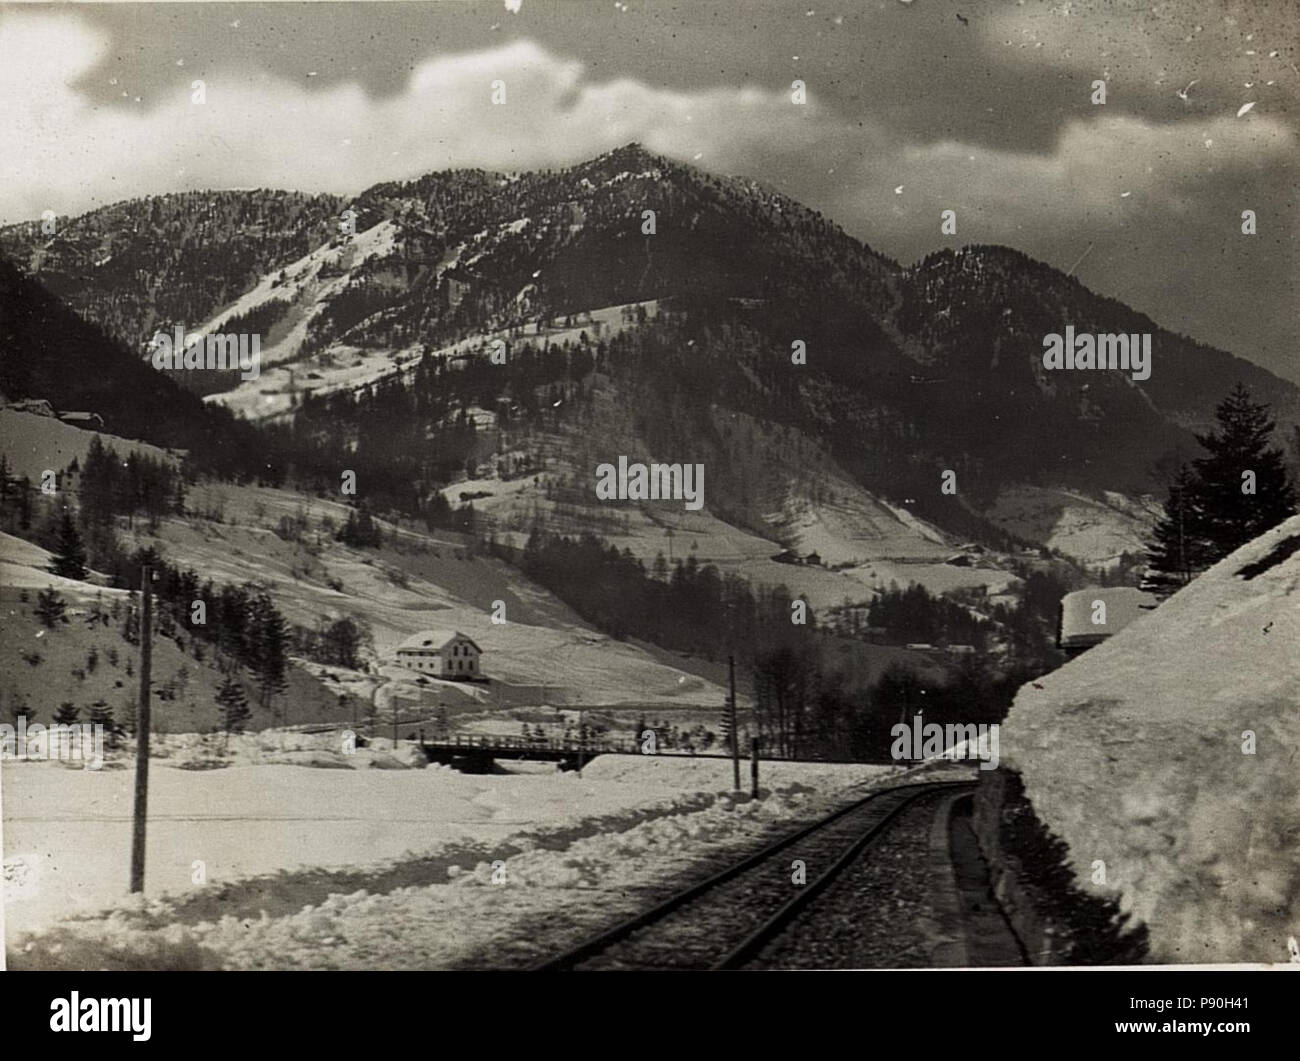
724	922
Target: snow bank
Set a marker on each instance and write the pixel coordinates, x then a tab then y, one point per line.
1135	754
710	774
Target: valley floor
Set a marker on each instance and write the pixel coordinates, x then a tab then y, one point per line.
355	868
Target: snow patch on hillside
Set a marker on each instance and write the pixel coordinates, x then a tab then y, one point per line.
1093	530
32	444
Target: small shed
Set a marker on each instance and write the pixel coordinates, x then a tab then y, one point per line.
1089	616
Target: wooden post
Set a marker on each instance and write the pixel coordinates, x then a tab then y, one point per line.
141	810
581	741
735	728
753	765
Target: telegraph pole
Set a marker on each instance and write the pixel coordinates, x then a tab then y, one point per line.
141	811
734	724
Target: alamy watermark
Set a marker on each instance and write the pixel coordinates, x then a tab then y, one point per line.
77	1014
217	351
655	482
1126	352
77	741
929	740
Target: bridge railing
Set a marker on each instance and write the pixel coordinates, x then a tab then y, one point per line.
523	744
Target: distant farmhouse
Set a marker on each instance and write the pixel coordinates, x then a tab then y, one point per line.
36	406
41	407
442	653
90	421
789	556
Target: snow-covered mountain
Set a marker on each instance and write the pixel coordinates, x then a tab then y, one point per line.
644	286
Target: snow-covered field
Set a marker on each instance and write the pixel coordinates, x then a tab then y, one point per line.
351	868
1169	754
431	583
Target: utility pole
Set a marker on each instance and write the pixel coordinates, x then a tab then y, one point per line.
734	724
141	810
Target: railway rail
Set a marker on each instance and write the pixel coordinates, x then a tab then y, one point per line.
725	921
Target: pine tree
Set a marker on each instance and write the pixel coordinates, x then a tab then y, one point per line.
24	503
232	703
67	714
1178	547
268	636
1214	507
1234	515
49	608
102	715
69	561
98	485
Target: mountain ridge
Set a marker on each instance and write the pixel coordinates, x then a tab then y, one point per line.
909	371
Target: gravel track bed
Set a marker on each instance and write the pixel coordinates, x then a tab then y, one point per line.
870	915
705	930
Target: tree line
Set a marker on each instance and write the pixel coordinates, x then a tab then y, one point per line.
689	607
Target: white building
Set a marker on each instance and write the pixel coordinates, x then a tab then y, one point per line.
442	653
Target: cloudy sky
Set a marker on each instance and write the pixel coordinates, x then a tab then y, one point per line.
979	106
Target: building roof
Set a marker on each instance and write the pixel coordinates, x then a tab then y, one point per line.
1124	604
434	639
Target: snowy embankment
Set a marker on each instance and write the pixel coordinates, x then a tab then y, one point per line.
1169	754
366	869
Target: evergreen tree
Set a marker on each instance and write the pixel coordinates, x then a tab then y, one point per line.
1178	548
1215	507
360	530
1235	514
341	642
98	485
67	714
232	703
269	636
49	608
69	560
24	503
102	715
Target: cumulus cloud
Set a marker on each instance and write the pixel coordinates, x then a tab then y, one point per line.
67	154
258	130
1091	164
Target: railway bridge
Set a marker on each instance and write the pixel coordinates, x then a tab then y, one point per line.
474	753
